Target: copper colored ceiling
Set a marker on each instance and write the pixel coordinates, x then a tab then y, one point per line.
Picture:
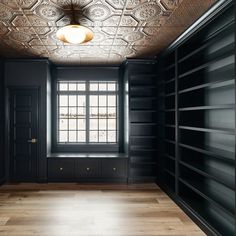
122	28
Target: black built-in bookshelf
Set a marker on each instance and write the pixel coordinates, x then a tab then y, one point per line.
197	124
141	79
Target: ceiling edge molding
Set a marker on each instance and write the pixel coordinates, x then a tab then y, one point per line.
197	25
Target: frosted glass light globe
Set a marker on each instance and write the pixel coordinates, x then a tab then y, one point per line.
74	34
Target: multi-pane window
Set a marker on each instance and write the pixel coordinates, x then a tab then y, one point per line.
87	112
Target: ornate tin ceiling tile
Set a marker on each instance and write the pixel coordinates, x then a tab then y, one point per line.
170	4
27	4
112	21
134	36
65	20
131	4
117	4
83	20
110	31
20	20
20	36
122	31
128	20
122	28
97	12
42	30
98	37
11	3
36	42
147	11
36	21
49	12
5	13
3	29
123	50
120	42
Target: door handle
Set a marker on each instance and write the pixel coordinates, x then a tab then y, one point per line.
33	140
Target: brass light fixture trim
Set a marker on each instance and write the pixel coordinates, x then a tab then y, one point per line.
74	33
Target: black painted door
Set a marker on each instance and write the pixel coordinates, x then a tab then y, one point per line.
23	134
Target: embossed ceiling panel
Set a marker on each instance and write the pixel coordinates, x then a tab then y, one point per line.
122	28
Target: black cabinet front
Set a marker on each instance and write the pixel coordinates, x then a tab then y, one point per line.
87	169
114	168
61	170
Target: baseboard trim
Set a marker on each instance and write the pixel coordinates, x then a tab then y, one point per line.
89	180
203	225
2	181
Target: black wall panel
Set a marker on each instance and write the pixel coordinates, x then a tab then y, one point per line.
197	123
33	73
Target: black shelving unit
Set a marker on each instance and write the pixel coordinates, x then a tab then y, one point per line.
2	156
198	123
169	129
142	120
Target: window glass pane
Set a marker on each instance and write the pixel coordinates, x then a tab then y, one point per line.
63	124
102	112
93	124
93	86
72	124
63	100
102	136
81	136
81	112
111	124
102	86
63	112
111	87
81	100
93	112
93	100
111	100
111	136
93	136
63	86
72	112
111	112
63	136
72	136
81	86
72	100
102	124
72	86
102	100
81	124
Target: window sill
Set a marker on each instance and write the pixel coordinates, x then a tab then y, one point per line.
87	155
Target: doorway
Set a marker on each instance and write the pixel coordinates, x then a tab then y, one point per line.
23	126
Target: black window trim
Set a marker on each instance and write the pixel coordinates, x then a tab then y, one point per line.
86	148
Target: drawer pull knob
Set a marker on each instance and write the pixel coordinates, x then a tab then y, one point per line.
114	168
61	169
88	169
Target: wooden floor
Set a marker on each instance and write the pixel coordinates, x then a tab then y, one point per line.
90	210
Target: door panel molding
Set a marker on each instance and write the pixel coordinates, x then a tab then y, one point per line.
22	115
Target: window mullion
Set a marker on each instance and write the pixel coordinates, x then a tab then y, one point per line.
87	114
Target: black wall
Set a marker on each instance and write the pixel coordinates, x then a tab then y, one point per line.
2	162
32	73
41	74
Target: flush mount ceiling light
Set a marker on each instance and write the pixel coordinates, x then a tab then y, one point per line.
74	33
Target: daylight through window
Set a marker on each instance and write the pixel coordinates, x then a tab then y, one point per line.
87	112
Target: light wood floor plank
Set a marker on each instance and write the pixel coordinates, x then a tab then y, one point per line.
91	210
